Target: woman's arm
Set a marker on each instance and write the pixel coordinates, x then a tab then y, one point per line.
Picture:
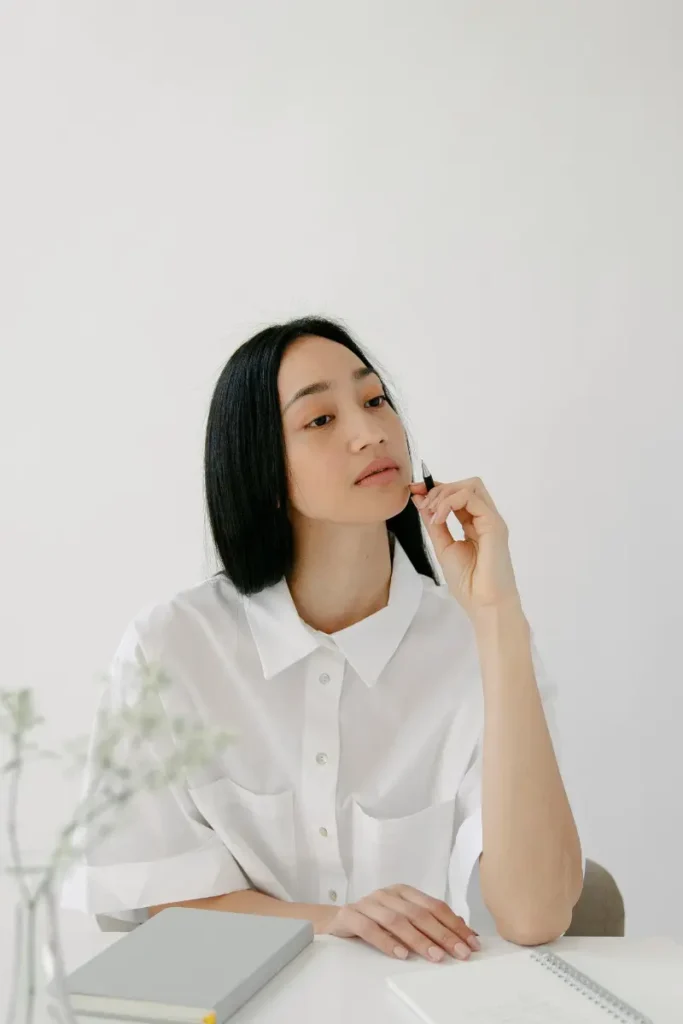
531	869
249	901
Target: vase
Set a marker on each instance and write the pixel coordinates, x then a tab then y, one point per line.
36	990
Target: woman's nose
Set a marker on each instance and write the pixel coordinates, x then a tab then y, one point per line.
364	427
367	433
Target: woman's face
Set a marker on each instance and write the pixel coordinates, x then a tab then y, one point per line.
332	435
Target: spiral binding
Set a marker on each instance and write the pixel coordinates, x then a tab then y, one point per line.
602	997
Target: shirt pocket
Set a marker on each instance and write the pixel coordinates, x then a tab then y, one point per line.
412	850
257	828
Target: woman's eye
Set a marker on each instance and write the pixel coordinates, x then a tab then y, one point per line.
380	399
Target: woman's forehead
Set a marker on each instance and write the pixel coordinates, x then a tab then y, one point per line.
318	364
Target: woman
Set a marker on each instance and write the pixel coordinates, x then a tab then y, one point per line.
391	730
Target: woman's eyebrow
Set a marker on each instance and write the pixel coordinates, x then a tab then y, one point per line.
325	385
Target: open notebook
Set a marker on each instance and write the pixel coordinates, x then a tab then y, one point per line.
536	986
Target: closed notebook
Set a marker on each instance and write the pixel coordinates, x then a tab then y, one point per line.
186	965
537	986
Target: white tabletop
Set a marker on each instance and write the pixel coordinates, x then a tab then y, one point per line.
337	981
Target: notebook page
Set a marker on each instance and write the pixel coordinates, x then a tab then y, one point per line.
506	990
652	981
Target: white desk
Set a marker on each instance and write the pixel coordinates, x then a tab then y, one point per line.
341	981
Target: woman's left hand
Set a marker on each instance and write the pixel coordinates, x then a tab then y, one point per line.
477	570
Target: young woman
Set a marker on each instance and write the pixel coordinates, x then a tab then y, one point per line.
390	730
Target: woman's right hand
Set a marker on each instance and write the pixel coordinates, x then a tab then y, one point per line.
399	919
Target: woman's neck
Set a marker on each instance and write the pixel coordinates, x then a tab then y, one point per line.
342	574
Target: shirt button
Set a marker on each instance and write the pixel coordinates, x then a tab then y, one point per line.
324	678
323	831
321	758
333	896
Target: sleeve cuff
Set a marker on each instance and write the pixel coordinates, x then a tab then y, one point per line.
124	891
466	851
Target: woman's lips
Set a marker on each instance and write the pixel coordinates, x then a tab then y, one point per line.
376	479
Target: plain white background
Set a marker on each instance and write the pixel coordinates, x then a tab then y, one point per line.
488	194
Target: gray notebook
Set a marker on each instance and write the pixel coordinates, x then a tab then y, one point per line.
186	965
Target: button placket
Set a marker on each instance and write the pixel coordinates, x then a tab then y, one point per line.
320	751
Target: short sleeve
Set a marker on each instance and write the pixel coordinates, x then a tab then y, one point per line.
160	848
468	843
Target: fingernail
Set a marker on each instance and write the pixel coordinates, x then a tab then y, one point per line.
474	942
401	952
462	950
435	953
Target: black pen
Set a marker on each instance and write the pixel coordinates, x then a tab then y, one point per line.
427	477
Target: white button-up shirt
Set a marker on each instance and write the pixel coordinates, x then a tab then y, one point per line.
356	762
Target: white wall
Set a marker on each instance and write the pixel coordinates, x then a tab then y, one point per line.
488	193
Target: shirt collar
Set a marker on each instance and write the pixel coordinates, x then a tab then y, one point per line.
282	638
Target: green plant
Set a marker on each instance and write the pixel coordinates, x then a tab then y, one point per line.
115	775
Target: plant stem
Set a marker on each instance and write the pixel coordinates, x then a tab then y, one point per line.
31	955
26	905
55	946
15	852
16	972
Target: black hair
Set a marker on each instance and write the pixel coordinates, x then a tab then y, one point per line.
245	477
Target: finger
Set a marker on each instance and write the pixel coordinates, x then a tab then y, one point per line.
429	503
443	509
419	487
371	932
474	483
390	913
422	918
480	488
465	504
443	913
434	502
422	485
422	500
439	534
436	490
434	522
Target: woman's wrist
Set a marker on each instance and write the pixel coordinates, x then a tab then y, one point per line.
323	917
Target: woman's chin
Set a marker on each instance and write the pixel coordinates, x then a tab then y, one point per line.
390	504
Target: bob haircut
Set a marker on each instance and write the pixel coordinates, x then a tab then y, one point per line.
245	478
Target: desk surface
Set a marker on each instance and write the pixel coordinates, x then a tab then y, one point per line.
336	981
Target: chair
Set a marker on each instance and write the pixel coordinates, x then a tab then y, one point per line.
600	910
